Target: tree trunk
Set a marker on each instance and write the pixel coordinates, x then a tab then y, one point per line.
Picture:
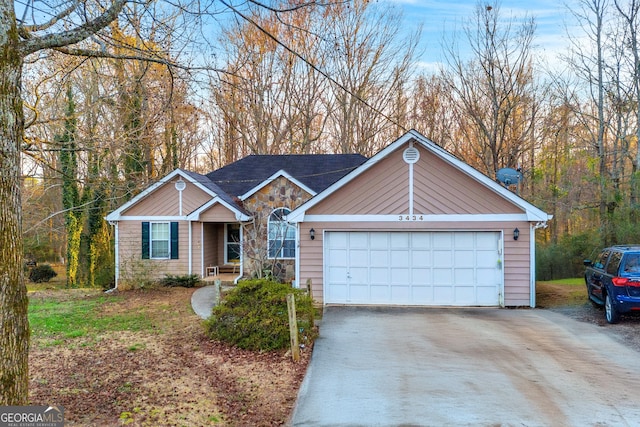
14	324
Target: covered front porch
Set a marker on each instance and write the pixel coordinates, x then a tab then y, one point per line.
220	251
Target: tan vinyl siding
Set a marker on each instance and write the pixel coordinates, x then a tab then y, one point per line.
439	188
218	213
212	235
516	260
134	270
383	188
165	201
517	270
196	244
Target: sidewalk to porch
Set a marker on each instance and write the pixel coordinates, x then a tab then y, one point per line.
205	298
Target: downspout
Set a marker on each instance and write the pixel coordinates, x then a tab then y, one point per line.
532	261
202	249
116	257
297	258
190	247
116	248
235	281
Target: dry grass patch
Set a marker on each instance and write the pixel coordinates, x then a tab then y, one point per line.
163	371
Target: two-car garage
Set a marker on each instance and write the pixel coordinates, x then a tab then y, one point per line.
433	268
415	226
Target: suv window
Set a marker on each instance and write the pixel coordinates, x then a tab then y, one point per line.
632	263
614	263
602	259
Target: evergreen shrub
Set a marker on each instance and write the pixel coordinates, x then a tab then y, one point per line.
42	273
254	316
186	281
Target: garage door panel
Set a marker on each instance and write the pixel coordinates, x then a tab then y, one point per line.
380	293
465	295
337	275
442	276
422	295
338	292
420	241
486	241
359	294
400	276
358	240
400	258
464	258
486	295
379	276
399	240
487	277
415	268
379	241
358	258
463	276
337	240
400	294
420	258
442	240
358	275
442	258
486	259
379	258
338	257
464	240
420	276
443	295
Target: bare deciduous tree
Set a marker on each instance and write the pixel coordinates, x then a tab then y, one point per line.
494	90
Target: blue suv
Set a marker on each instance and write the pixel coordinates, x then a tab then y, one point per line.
613	280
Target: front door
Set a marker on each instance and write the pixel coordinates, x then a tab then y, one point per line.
232	244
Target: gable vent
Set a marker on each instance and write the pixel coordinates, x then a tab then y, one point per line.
411	155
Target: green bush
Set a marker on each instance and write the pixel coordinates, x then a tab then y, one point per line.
187	281
42	273
565	259
254	316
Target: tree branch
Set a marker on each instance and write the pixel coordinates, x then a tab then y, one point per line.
26	30
66	38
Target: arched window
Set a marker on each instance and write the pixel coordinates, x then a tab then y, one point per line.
282	235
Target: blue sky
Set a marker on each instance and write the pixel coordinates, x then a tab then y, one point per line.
440	16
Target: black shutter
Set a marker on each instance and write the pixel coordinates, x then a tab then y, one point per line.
145	240
174	240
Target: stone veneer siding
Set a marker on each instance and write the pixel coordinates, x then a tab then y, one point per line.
281	193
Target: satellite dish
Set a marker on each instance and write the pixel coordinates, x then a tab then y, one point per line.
509	176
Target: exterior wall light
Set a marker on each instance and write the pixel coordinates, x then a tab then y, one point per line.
312	234
516	234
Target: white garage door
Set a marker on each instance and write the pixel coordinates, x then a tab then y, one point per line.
413	268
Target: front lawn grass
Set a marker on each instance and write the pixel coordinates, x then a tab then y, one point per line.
53	320
563	292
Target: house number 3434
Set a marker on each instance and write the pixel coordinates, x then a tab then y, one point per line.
410	218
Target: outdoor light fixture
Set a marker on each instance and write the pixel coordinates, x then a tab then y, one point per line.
312	234
516	234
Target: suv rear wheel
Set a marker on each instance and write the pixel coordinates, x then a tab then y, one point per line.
610	311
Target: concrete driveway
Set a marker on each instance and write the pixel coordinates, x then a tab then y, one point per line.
466	366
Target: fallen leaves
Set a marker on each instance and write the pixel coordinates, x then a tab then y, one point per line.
170	375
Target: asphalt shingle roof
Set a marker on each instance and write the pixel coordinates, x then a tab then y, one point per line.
206	182
316	171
